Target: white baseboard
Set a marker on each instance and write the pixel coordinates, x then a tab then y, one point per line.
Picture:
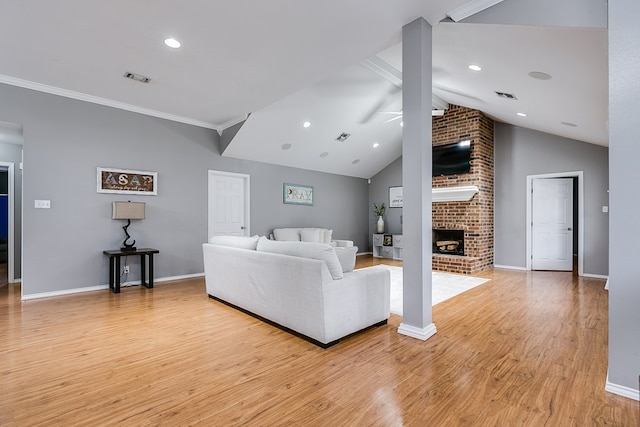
622	391
103	287
64	292
419	333
510	267
595	276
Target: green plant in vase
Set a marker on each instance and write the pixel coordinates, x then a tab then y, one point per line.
378	211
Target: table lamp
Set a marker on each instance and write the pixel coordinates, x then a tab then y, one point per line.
128	211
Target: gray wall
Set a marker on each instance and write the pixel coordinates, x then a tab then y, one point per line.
391	176
520	152
65	140
624	152
12	153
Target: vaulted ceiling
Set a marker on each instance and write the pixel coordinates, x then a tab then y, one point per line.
285	62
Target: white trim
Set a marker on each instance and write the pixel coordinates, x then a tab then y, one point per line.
104	101
510	267
65	292
596	276
622	390
471	8
606	285
419	333
580	176
231	122
11	238
247	198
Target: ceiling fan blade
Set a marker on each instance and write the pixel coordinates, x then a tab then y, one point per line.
393	118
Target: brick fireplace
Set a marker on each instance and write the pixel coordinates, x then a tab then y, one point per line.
474	217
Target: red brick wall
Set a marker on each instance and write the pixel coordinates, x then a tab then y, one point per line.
475	217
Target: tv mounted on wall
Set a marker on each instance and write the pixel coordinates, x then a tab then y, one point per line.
452	159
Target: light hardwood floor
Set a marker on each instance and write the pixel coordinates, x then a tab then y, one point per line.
524	349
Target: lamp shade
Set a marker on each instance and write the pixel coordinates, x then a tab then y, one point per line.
128	210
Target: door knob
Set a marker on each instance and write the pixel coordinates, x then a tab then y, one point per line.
242	227
569	229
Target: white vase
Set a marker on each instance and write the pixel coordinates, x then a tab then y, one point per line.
380	225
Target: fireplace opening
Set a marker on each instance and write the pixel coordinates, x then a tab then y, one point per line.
450	242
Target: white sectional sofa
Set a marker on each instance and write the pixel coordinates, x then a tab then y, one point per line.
300	286
303	234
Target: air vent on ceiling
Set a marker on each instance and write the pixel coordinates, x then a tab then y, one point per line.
506	95
343	137
137	77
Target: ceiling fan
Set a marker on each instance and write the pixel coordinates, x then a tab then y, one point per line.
398	114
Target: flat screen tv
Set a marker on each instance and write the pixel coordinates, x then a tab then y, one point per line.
452	159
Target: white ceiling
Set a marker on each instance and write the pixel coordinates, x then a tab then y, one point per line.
287	61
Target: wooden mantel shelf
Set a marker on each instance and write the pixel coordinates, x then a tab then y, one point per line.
454	194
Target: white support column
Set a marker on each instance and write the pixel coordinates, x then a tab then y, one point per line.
416	180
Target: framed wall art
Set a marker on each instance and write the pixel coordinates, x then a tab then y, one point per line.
125	181
395	197
295	194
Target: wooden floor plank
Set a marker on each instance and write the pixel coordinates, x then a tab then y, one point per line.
525	348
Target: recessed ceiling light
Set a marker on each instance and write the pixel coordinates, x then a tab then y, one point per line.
285	146
539	75
172	43
355	162
325	154
474	67
573	125
522	114
306	124
376	144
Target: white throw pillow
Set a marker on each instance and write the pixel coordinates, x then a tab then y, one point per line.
327	235
240	242
311	250
287	234
311	235
347	257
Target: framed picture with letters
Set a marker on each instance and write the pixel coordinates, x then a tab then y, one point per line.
126	181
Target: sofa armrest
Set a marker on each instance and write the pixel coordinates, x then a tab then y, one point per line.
343	243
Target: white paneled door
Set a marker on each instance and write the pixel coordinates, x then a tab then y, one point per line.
552	224
228	204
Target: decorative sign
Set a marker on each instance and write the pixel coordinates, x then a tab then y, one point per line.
123	181
295	194
395	197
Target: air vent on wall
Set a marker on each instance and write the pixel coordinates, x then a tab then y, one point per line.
137	77
506	95
343	137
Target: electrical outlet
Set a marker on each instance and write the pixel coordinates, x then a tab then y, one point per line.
126	269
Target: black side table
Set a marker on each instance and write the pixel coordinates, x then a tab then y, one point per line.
114	266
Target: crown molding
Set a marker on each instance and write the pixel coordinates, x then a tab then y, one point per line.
471	8
27	84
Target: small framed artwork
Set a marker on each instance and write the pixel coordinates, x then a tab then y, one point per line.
387	240
295	194
125	181
395	197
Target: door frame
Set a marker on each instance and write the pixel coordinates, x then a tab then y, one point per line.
247	197
580	225
10	168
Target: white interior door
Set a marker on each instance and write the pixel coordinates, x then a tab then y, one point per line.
228	204
552	224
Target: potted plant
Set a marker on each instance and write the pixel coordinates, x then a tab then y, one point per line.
379	212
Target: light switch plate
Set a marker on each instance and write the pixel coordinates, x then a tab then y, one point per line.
43	204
